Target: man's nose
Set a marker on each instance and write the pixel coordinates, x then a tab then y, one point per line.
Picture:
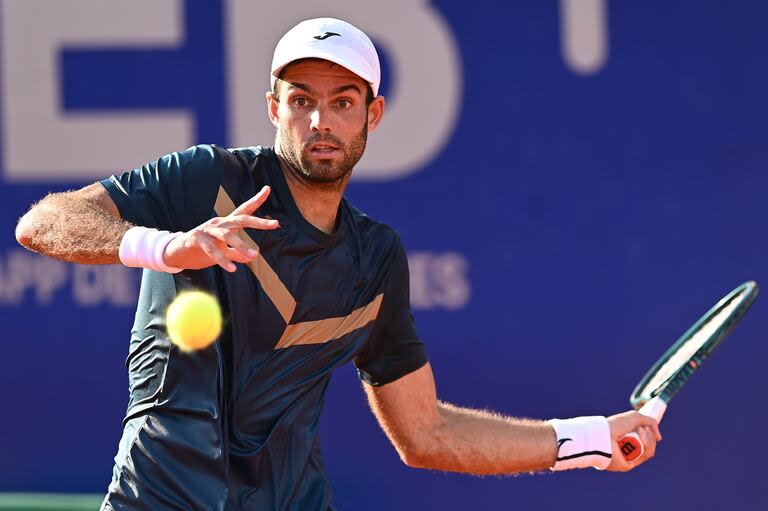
319	120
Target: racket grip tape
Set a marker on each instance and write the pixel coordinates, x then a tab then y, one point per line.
630	445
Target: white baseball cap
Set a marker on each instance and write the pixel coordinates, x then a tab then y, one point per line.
333	40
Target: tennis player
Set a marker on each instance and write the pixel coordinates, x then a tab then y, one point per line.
307	282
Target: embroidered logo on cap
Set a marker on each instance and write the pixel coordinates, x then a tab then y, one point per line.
326	36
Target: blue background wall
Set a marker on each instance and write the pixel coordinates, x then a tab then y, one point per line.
569	229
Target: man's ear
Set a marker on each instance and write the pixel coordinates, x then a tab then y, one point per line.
272	107
375	112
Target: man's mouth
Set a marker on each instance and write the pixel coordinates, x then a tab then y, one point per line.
323	148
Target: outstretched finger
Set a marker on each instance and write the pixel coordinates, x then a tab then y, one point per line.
252	204
237	256
255	222
229	232
238	243
212	251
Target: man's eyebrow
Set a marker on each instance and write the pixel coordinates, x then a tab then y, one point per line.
338	90
344	88
302	86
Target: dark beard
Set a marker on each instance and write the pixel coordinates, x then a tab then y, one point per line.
323	172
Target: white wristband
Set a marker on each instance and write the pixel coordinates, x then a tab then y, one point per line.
143	247
582	442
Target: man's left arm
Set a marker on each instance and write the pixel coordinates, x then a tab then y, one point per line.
431	434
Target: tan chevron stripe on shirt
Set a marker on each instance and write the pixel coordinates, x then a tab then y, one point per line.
324	330
277	292
307	332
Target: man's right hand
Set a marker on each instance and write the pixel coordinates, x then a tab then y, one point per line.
646	427
218	241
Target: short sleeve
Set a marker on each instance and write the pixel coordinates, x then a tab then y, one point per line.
394	348
175	193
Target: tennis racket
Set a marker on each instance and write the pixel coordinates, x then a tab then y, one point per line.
668	375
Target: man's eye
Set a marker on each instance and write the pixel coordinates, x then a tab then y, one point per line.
345	103
300	102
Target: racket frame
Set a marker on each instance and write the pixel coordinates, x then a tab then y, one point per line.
747	292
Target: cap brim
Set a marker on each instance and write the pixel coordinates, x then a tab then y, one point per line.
347	63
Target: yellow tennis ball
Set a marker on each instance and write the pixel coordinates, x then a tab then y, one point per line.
193	320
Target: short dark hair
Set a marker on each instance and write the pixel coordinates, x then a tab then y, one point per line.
276	88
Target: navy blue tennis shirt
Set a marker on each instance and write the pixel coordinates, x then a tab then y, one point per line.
234	426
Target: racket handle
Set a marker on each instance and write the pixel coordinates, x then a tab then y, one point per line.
630	445
655	407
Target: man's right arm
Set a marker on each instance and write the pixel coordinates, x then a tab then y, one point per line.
79	226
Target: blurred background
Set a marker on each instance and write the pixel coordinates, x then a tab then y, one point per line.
576	182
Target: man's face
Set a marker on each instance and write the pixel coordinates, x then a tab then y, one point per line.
322	120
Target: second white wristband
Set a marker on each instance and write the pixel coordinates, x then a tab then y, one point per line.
582	442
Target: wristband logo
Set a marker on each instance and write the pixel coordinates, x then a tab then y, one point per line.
560	445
